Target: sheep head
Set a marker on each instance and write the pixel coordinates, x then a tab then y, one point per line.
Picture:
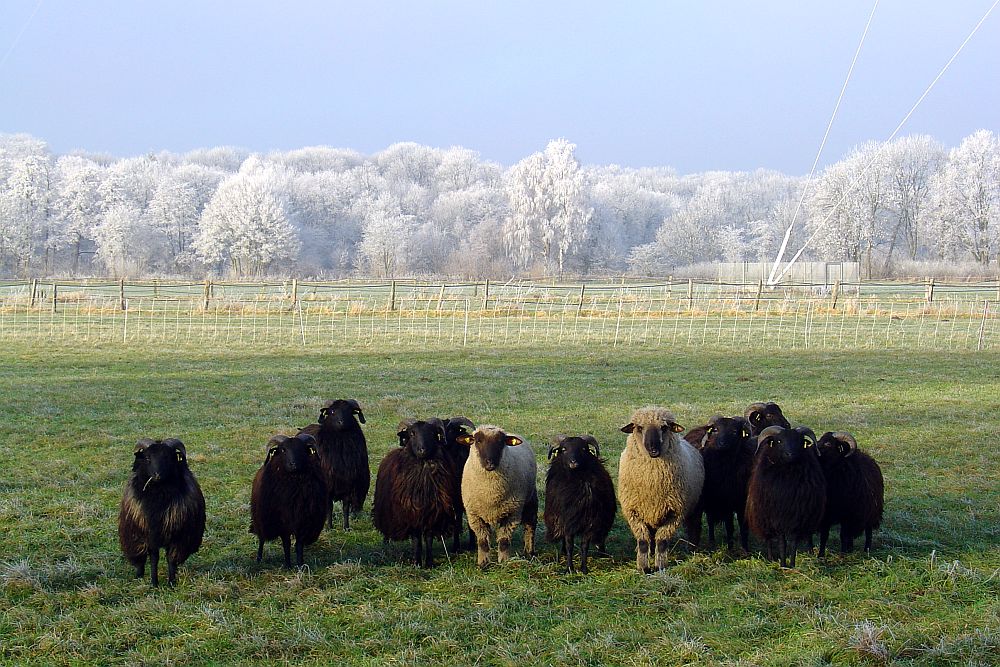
727	434
293	455
763	415
159	460
575	452
424	439
655	428
837	444
777	445
490	443
339	414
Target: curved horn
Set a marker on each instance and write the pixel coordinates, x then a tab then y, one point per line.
591	440
807	432
462	421
405	424
176	444
272	445
754	407
356	408
145	443
306	438
436	421
768	432
847	439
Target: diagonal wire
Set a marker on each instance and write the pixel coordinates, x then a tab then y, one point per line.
885	143
822	145
18	38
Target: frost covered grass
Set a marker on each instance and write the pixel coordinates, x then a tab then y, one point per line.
928	595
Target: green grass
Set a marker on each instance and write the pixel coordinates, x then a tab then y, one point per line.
928	595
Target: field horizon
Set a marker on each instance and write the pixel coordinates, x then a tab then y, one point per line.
929	593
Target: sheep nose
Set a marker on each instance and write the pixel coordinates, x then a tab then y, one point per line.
573	465
490	466
654	453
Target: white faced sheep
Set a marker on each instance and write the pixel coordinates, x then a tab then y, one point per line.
660	477
787	491
855	491
343	452
415	489
498	490
289	496
579	497
162	508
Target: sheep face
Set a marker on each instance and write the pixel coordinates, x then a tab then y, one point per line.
159	461
763	415
339	414
294	455
655	438
780	446
836	445
490	445
727	434
425	439
575	452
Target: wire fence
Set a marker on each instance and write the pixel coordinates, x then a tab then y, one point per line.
397	315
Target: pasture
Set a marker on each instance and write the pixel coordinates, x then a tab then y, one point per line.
71	413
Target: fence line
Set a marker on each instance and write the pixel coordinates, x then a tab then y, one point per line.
625	318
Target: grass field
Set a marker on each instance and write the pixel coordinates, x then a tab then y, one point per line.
928	595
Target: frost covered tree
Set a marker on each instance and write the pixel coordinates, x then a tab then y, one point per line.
78	205
125	244
549	211
911	163
964	215
175	209
26	193
245	223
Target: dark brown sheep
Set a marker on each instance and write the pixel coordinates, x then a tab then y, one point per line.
727	449
289	496
787	491
579	497
343	452
855	491
162	507
415	489
457	454
763	415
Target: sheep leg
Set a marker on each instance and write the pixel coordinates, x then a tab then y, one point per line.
346	504
663	535
415	541
329	516
456	539
568	545
642	555
846	540
286	545
482	532
529	518
154	566
429	550
744	532
529	540
505	531
140	566
584	550
729	531
693	528
299	549
782	548
868	540
260	549
171	571
711	535
824	535
795	548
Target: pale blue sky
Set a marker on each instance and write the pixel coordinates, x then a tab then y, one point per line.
693	85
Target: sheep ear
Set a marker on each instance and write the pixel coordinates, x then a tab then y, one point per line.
676	428
465	439
404	425
177	445
270	452
142	445
553	450
322	415
513	441
628	428
356	408
847	442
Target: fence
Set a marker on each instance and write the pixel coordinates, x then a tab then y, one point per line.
399	315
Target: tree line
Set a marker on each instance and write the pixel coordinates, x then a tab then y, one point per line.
422	211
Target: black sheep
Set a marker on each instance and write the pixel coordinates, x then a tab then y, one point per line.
763	415
787	491
855	491
415	489
288	496
457	454
579	497
343	452
162	507
727	449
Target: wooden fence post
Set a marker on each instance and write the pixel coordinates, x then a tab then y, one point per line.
55	297
760	288
295	292
836	293
690	293
930	290
579	307
121	294
392	295
34	290
486	294
208	292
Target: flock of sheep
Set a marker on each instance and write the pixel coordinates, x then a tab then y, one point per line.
781	483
